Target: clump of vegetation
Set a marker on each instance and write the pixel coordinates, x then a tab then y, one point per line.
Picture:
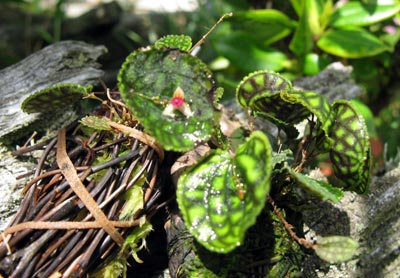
246	173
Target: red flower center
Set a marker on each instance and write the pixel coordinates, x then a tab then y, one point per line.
177	101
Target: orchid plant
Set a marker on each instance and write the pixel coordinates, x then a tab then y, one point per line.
175	99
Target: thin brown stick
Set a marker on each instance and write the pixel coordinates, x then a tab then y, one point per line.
70	174
204	37
29	139
302	241
23	150
65	225
47	174
139	135
149	190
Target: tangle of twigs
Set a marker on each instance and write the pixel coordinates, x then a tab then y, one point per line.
68	222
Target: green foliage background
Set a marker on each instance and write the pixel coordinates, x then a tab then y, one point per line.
298	38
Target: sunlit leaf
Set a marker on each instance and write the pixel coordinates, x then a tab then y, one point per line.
297	6
336	249
95	123
368	116
351	43
350	153
148	81
243	52
321	189
174	41
355	13
264	26
222	195
53	98
302	42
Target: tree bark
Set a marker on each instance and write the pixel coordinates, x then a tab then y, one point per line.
63	62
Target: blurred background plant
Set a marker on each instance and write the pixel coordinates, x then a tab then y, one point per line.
295	38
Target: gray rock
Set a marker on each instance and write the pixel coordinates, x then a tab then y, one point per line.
334	82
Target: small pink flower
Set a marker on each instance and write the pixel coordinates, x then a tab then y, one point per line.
390	29
178	103
396	21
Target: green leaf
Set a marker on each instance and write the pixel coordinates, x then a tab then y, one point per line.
336	249
260	91
258	83
136	240
321	189
297	6
245	53
134	202
54	98
148	80
356	13
133	243
351	43
314	103
95	123
302	42
314	10
115	269
366	113
264	26
350	153
314	63
221	196
281	157
271	96
174	41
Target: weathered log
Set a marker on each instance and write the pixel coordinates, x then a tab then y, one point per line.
64	62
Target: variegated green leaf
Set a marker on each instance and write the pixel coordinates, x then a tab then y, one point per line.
53	98
265	86
271	96
260	83
174	41
151	80
336	249
315	104
350	153
321	189
222	195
